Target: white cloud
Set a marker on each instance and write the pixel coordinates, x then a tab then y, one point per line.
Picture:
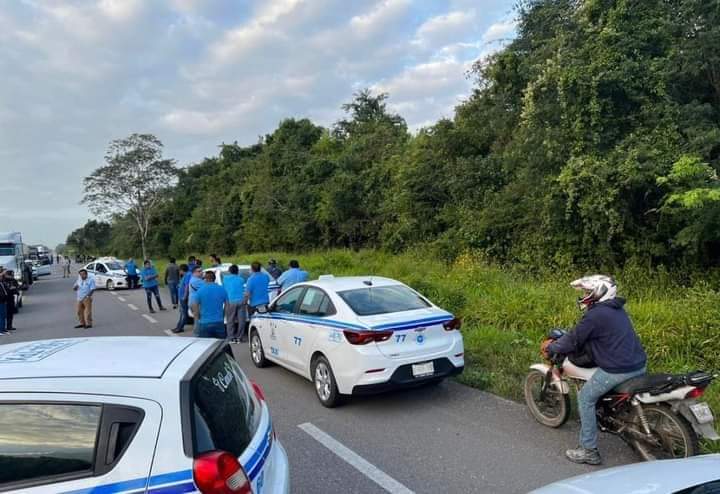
500	30
384	14
446	28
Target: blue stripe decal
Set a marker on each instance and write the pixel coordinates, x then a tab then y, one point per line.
174	489
260	464
415	324
135	484
257	460
313	320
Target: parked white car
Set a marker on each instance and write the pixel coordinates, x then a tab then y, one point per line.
109	273
357	335
41	269
131	415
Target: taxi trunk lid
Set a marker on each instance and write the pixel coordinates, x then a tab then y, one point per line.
416	333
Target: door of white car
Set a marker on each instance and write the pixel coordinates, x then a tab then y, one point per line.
101	275
76	443
286	332
315	306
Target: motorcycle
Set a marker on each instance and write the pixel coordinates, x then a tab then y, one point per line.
658	415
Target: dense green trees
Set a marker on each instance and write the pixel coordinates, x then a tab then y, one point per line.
592	138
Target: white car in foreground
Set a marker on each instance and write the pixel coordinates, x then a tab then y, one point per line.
134	415
109	273
357	335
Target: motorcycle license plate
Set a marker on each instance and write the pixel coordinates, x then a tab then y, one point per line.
422	370
702	413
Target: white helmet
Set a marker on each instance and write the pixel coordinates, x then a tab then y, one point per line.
596	288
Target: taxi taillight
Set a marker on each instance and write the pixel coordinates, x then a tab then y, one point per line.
365	337
453	324
259	393
219	472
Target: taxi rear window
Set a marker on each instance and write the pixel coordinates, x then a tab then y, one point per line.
382	300
225	413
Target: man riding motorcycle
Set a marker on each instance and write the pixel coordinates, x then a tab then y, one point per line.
607	334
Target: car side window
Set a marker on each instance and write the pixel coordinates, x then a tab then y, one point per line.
90	267
316	303
100	268
47	442
286	303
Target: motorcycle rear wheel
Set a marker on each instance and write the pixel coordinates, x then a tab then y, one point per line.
554	409
672	436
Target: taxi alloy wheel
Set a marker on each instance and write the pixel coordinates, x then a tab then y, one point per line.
256	350
325	386
110	285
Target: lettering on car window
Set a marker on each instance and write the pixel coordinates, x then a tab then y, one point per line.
224	379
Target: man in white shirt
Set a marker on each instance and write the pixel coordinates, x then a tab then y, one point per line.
84	286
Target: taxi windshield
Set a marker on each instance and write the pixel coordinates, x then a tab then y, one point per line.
372	301
114	266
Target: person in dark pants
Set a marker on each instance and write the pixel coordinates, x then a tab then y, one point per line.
3	300
132	273
172	278
150	283
13	288
209	309
182	299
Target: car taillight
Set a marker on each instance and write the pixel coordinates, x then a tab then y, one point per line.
452	324
259	393
365	337
695	393
219	472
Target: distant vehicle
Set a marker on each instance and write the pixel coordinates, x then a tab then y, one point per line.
134	414
357	335
12	257
41	269
695	475
33	268
109	273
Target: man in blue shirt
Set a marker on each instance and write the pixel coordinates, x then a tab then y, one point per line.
234	285
209	309
182	299
85	287
195	283
292	276
132	273
150	283
256	289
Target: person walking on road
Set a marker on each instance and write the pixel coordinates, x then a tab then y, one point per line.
66	267
132	273
256	290
85	287
182	298
172	278
273	269
235	309
209	309
292	276
3	299
150	283
12	287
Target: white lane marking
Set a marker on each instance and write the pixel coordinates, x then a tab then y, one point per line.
150	318
169	333
113	293
121	299
133	307
361	464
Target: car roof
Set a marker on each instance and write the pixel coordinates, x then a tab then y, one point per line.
342	283
146	357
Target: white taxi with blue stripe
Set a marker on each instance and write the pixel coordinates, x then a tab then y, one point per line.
134	415
357	335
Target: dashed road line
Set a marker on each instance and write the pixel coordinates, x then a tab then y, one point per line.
133	307
113	293
169	333
150	318
355	460
121	299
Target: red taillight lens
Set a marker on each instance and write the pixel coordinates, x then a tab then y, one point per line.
365	337
259	393
219	472
452	324
695	393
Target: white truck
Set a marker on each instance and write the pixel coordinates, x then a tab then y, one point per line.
12	258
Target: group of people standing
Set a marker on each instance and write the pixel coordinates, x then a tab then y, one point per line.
9	288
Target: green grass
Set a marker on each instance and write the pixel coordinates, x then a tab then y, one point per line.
507	312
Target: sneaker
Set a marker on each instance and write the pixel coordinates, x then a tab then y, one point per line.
4	333
88	326
162	308
583	455
176	330
79	326
152	311
11	329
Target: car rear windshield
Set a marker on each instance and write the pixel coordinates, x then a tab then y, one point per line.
114	266
371	301
225	412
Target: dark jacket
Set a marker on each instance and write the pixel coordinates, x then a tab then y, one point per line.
608	332
172	273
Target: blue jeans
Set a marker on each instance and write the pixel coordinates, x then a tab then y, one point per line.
182	321
210	330
599	384
149	292
173	287
3	309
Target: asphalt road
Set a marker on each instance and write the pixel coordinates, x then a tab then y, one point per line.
444	439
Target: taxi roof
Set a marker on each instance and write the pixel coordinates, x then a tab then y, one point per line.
342	283
146	357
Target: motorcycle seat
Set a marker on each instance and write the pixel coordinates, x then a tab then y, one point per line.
659	383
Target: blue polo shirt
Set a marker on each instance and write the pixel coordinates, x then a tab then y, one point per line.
145	273
257	288
211	298
131	268
194	286
291	277
234	286
184	284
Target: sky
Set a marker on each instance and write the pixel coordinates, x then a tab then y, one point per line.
197	73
